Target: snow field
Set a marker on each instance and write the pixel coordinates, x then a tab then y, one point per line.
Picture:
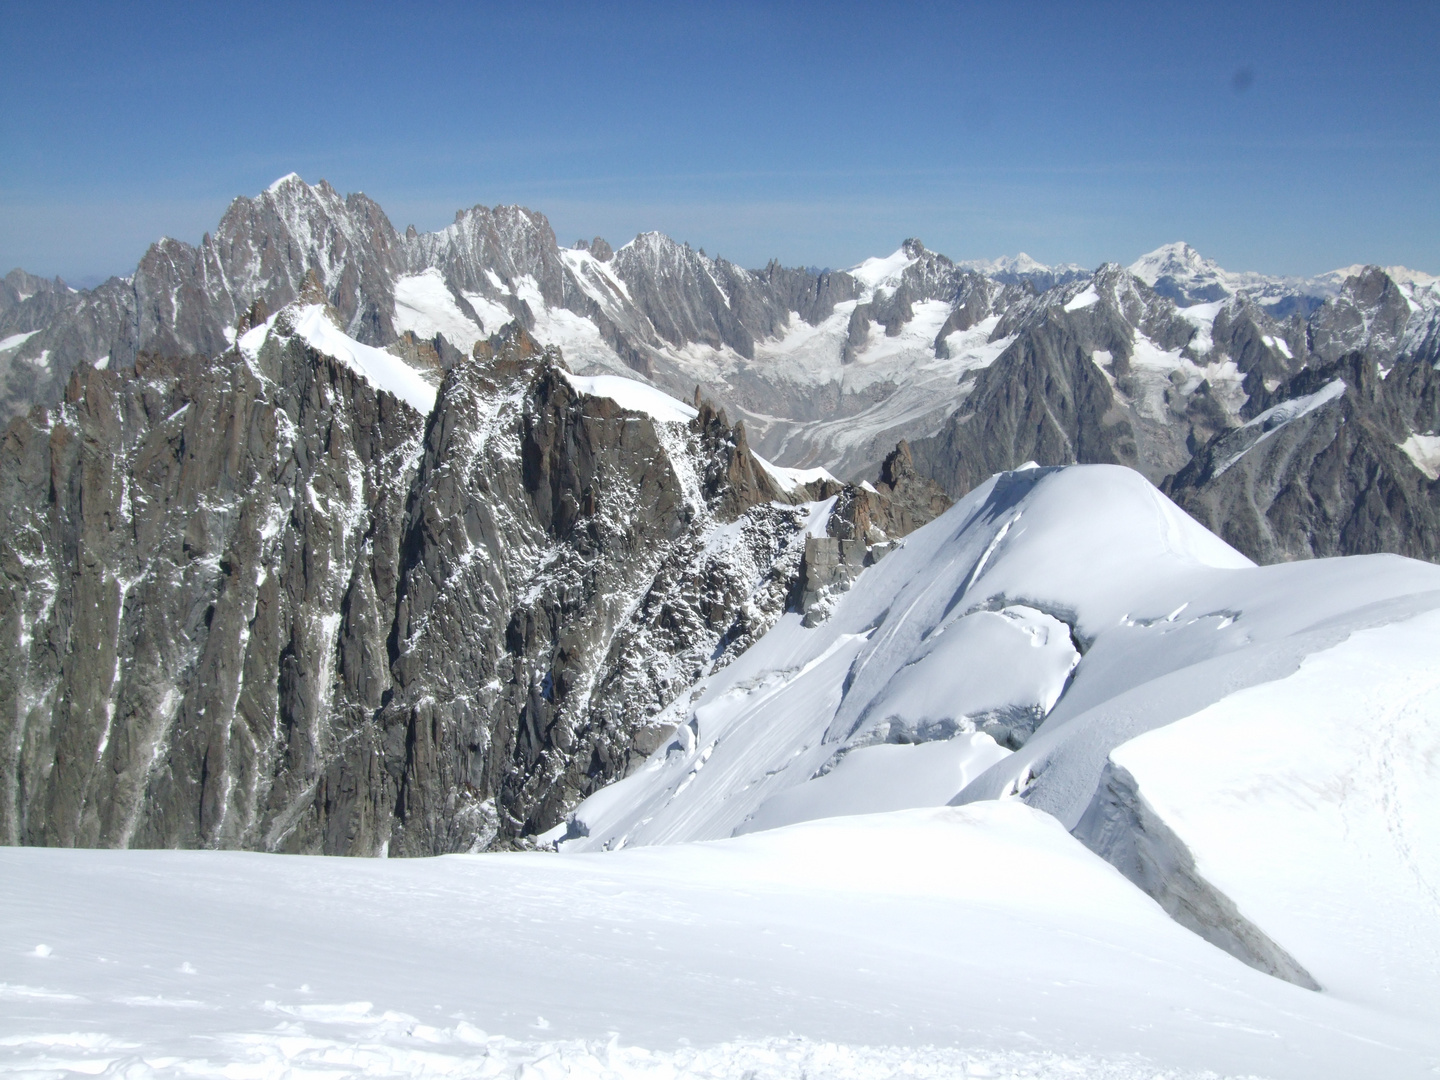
931	644
911	943
424	306
633	395
1299	761
381	369
1340	765
791	479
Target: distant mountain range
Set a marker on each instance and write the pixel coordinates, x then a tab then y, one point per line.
319	536
827	368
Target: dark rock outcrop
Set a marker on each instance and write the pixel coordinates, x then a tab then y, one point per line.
254	602
1323	471
1121	828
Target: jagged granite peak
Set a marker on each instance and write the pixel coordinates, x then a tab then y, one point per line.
259	601
598	247
461	283
826	368
689	297
508	242
1371	313
1335	453
176	589
1086	377
28	303
1109	370
809	293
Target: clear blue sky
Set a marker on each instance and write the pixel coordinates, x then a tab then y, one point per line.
1283	138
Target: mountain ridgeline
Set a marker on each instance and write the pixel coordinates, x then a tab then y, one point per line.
254	601
322	536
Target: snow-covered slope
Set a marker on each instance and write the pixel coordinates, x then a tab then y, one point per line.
314	325
1180	272
1063	614
1015	269
965	942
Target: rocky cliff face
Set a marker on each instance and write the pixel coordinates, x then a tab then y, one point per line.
181	541
1083	379
1291	439
254	601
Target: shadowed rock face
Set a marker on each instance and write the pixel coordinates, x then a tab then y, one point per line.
1121	828
1045	400
1330	481
1080	384
257	603
179	545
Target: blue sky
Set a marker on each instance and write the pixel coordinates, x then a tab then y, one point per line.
1282	138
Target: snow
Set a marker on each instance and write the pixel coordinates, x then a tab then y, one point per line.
1424	451
785	893
1202	317
1083	299
595	277
877	271
1278	344
424	305
791	479
381	369
893	387
1152	369
925	647
102	363
975	941
635	396
1278	416
14	341
972	350
1195	273
288	178
251	341
1326	829
1081	598
882	777
1401	275
1013	264
493	314
1178	260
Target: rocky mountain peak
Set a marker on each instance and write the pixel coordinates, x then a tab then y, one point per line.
311	291
1371	312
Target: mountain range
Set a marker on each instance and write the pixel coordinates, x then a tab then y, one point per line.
1171	366
322	536
958	616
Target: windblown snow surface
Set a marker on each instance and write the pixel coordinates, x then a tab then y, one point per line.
843	866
